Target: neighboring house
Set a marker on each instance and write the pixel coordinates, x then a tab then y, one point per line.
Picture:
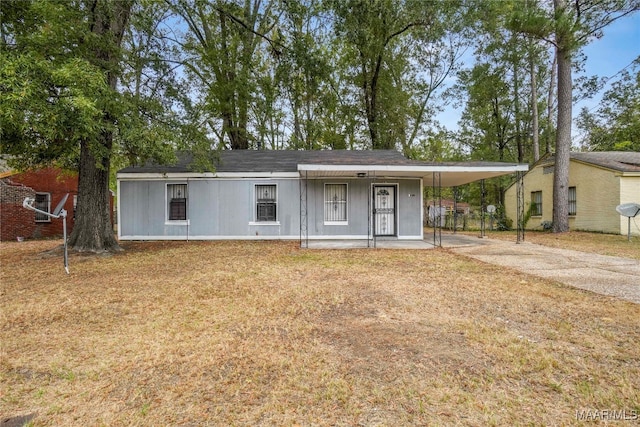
444	209
332	194
598	182
47	187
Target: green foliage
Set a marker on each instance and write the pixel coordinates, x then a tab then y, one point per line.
56	92
533	207
615	124
396	56
51	97
497	121
503	223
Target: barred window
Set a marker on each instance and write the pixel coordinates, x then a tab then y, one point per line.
177	202
43	203
536	203
573	205
335	202
266	203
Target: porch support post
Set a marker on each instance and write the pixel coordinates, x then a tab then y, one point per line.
304	215
437	209
455	210
482	209
370	219
520	206
373	217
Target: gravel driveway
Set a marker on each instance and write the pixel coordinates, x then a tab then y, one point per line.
607	275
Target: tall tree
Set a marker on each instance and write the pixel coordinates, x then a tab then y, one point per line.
397	55
82	88
65	59
564	49
371	28
307	79
496	124
568	26
535	120
220	49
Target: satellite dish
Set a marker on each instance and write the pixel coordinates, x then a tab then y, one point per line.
59	212
629	210
58	209
491	209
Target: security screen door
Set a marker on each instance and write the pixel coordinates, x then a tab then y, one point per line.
384	210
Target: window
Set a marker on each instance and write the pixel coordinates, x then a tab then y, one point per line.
266	203
43	203
573	205
177	202
335	203
536	203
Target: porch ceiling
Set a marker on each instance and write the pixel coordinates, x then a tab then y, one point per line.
451	175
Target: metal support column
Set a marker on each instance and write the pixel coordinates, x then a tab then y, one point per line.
520	206
369	211
437	209
304	213
455	210
372	207
482	209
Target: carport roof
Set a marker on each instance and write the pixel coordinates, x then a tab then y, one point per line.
372	164
451	173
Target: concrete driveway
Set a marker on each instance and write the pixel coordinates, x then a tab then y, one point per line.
607	275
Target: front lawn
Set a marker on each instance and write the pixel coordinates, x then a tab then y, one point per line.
599	243
264	333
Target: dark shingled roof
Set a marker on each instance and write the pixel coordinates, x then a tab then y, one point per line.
277	160
288	161
622	161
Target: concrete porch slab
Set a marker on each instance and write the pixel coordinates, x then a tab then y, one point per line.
364	244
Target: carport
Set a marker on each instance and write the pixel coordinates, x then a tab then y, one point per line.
435	175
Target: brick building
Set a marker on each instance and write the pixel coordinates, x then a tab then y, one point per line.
47	186
598	182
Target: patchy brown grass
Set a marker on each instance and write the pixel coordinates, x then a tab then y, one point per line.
603	244
257	333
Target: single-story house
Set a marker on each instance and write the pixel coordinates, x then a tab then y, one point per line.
47	186
598	182
331	194
444	210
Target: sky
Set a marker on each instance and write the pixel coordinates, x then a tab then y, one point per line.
606	56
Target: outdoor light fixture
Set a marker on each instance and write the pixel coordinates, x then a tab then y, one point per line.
361	174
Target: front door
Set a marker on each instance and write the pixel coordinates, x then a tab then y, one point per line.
384	210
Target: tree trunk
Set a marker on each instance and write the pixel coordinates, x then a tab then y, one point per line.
92	230
552	81
563	138
534	104
516	106
369	94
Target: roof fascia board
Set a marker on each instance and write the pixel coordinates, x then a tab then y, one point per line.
410	168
